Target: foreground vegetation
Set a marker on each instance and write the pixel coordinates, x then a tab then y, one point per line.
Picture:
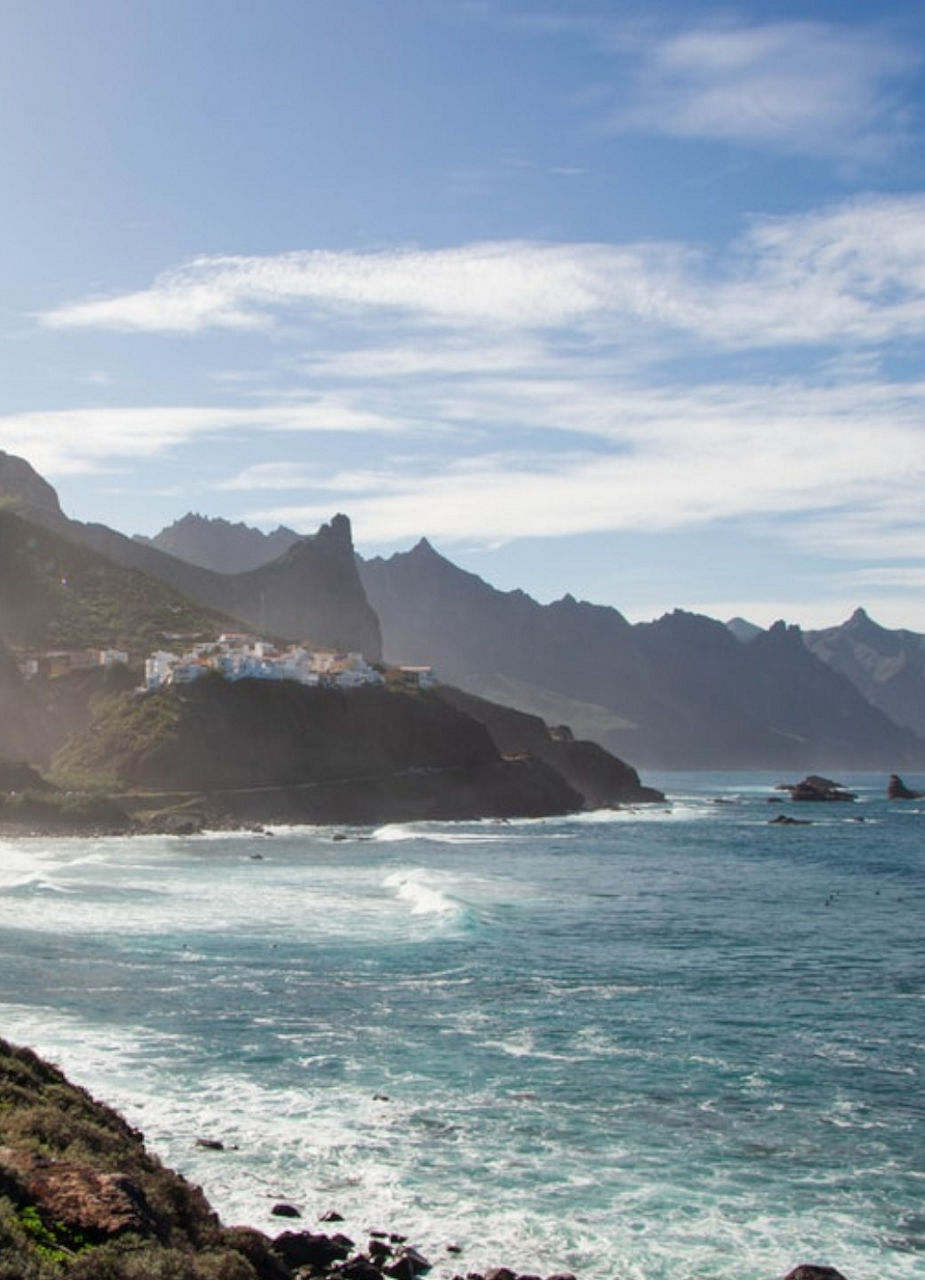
81	1197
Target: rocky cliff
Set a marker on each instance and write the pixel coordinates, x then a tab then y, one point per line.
601	778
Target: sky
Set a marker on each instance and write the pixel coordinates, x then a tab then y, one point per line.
618	299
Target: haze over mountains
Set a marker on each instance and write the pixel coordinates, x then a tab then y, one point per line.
214	543
680	692
312	591
684	691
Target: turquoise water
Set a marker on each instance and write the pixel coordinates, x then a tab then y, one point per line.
672	1043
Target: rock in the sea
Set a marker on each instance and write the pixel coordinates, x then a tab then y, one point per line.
408	1264
784	820
358	1268
813	1271
814	788
303	1248
284	1210
896	789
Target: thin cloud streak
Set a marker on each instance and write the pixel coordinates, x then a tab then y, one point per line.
851	273
84	441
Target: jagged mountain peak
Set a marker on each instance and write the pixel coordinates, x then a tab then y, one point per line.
861	623
212	542
338	529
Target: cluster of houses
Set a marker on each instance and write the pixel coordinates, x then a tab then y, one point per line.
233	655
236	656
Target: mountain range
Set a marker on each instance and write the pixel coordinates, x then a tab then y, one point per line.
684	691
680	692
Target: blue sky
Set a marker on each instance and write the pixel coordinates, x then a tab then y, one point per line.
623	300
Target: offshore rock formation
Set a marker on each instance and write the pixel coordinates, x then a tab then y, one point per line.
815	789
896	789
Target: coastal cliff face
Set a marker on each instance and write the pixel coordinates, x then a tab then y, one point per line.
601	778
278	750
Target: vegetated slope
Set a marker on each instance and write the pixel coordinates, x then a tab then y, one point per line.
684	691
57	594
220	545
25	731
888	667
277	749
81	1197
313	592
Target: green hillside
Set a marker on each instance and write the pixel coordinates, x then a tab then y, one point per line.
55	594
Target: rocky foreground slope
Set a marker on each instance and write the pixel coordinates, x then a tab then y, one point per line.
81	1197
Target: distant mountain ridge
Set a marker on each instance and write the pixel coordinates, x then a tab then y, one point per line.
214	543
682	692
888	667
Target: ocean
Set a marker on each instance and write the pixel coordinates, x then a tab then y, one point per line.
674	1042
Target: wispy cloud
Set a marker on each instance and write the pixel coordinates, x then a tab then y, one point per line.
803	87
854	272
806	87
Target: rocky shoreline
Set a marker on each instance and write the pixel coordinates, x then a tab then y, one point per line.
81	1197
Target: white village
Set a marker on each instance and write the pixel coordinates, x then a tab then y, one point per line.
237	655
